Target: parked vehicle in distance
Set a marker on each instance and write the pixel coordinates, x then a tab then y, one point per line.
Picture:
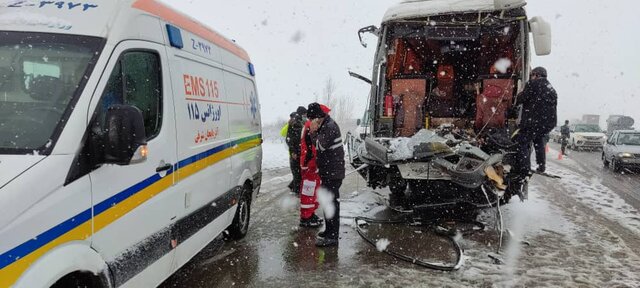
586	136
555	135
590	119
622	150
363	126
619	122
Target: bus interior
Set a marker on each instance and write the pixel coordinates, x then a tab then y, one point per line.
462	75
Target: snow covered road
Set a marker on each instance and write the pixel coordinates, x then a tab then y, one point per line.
579	231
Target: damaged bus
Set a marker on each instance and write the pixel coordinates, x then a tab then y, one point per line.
446	76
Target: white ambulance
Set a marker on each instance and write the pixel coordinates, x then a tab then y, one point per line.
129	139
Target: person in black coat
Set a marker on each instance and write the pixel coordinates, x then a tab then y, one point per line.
294	135
565	135
538	117
330	162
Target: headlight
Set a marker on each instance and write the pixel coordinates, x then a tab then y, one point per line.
625	155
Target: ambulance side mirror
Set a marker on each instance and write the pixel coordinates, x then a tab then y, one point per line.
125	140
541	31
369	29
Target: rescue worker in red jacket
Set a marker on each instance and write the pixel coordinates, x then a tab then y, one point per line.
310	178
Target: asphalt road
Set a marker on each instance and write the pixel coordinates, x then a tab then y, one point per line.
579	231
625	184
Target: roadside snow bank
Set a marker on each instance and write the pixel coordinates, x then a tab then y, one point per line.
597	197
274	155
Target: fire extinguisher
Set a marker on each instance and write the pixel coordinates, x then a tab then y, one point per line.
388	106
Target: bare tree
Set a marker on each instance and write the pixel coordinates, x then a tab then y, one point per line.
344	109
328	94
341	106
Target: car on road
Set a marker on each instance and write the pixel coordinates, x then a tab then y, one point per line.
363	126
586	136
555	135
622	150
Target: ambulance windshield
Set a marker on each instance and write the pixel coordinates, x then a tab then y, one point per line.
41	77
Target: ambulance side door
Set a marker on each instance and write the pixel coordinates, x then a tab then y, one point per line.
203	147
135	205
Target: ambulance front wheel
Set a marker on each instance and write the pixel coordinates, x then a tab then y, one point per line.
240	225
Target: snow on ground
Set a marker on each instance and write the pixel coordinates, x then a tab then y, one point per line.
272	185
275	155
525	222
566	160
382	244
561	248
548	242
598	197
545	244
358	203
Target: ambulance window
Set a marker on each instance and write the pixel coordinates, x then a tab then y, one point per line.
142	87
136	80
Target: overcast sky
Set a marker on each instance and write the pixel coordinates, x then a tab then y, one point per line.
297	45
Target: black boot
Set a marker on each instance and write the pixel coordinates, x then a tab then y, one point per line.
326	242
311	222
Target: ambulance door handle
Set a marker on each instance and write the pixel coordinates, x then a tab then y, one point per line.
164	167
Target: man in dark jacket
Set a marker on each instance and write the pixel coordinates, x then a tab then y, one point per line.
294	134
538	117
565	134
540	148
330	162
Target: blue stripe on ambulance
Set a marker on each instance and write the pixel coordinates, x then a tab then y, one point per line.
31	245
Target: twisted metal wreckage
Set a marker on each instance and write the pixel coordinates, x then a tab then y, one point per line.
450	156
445	155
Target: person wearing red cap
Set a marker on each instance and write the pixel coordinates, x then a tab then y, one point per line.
310	178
